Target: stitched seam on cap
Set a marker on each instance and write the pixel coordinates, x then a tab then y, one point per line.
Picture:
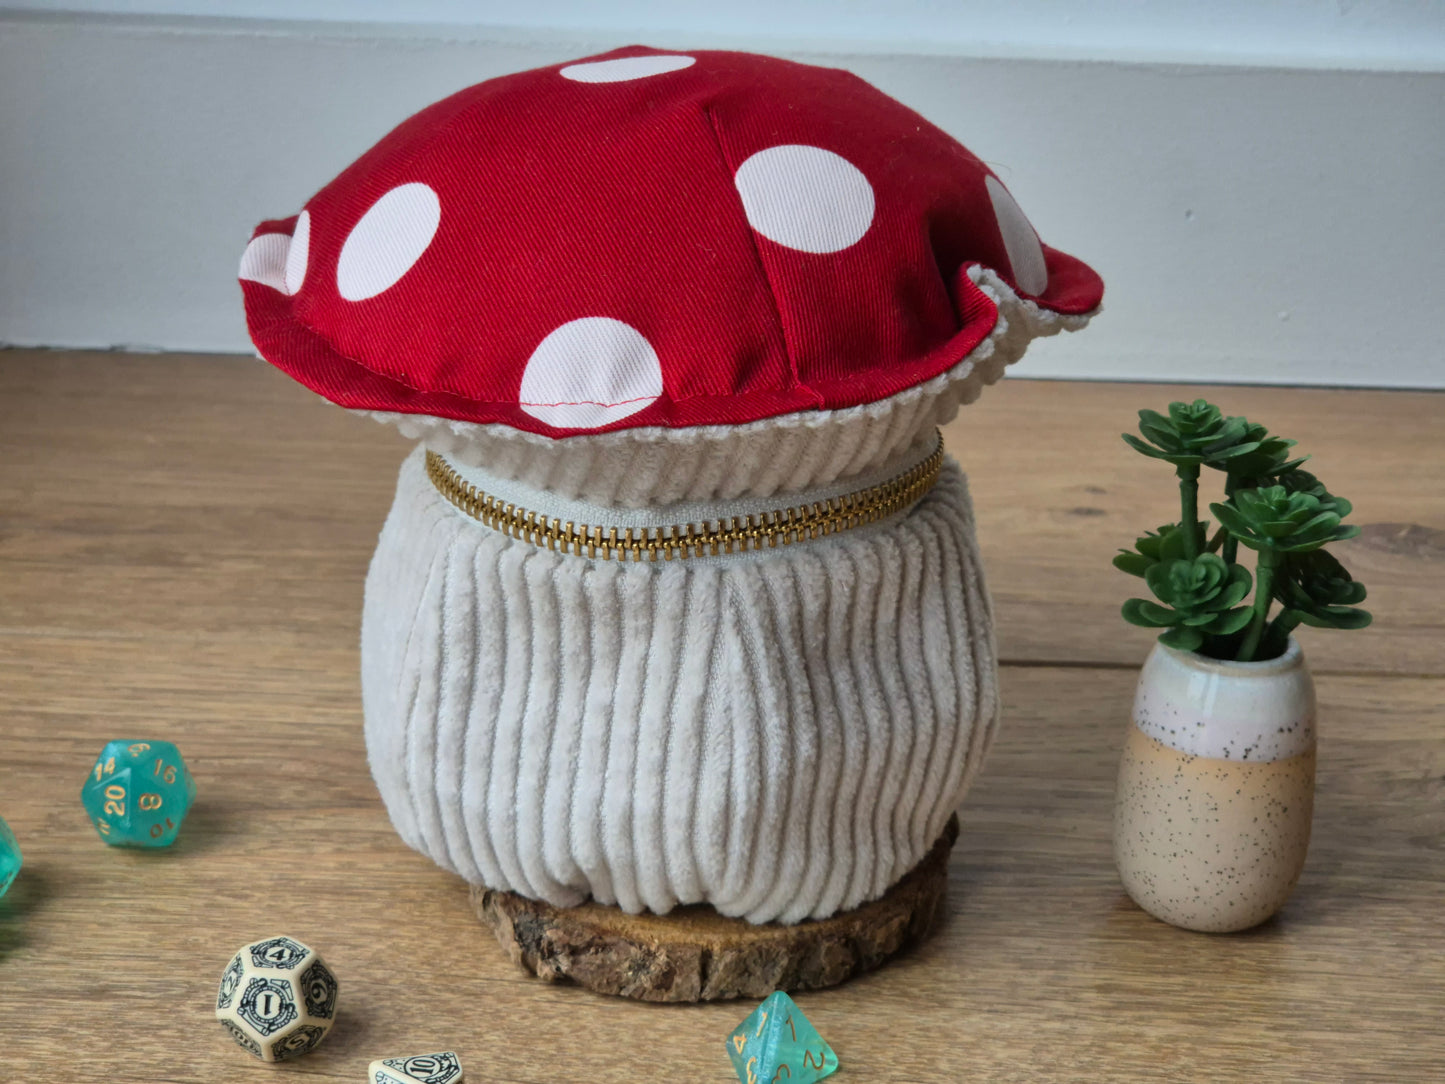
758	255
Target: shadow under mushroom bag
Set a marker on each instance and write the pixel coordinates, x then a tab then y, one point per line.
679	599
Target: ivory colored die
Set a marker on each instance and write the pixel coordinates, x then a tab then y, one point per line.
277	999
440	1068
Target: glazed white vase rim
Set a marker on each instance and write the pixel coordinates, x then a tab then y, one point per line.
1253	712
1291	659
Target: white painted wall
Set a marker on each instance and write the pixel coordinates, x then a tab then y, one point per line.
1392	34
1260	224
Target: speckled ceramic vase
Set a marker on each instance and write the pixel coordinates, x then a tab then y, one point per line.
1216	788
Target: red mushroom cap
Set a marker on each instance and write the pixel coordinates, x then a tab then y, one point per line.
647	239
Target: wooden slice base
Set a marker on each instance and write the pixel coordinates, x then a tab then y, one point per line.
696	954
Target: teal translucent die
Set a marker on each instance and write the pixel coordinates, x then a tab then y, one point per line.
9	857
138	793
777	1045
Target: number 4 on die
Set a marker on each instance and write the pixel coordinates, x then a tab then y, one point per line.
778	1045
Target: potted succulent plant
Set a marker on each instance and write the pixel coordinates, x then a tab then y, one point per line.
1216	783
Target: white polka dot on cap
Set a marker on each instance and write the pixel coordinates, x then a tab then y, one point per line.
387	241
589	373
806	198
264	260
1025	254
299	253
625	68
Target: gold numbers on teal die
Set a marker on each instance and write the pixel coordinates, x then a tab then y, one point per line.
778	1045
138	793
9	857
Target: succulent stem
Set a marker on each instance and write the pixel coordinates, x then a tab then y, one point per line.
1189	508
1284	623
1231	544
1263	586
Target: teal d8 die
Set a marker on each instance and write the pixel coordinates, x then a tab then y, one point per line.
777	1045
9	857
138	793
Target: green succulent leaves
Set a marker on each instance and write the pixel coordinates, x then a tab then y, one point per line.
1318	588
1273	518
1271	506
1302	481
1191	435
1155	546
1268	458
1200	597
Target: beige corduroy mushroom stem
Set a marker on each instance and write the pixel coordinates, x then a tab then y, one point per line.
782	734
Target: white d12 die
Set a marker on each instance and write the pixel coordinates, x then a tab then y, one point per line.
441	1068
277	999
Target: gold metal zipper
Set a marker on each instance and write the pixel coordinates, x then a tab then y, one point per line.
735	534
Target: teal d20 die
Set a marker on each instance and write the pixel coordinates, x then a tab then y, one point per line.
138	793
777	1045
9	857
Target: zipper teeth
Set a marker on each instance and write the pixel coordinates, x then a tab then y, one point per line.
735	534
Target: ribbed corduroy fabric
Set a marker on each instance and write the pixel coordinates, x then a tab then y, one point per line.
639	468
781	734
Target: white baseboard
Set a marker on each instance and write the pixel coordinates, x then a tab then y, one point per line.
1252	224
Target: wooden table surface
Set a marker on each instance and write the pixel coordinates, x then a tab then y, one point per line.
183	542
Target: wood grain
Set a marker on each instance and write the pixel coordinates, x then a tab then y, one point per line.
695	954
182	547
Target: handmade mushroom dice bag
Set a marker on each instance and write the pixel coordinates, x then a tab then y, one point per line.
679	599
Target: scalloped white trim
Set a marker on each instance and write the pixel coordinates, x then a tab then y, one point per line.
657	464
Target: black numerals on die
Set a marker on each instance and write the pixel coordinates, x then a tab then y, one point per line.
280	952
267	1006
301	1041
318	987
229	982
